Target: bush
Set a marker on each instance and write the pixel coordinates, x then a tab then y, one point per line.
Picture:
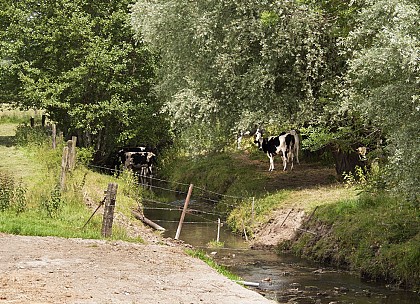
26	135
54	203
11	196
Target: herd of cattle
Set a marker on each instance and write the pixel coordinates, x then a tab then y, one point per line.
141	160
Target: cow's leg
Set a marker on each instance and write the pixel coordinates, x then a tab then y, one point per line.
291	157
284	160
270	156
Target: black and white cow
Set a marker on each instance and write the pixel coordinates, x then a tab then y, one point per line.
287	143
140	160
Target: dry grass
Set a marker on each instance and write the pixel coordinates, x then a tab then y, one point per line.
309	198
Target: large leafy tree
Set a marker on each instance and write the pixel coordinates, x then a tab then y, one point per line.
384	78
234	63
78	60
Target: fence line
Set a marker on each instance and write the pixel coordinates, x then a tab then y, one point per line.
195	212
177	183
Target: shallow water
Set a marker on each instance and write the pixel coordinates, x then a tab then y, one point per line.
284	278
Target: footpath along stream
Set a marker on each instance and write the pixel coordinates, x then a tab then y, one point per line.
283	278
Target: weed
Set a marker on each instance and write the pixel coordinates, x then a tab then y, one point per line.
215	244
6	191
54	203
36	135
19	198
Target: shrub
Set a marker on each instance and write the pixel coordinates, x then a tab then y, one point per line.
26	135
54	203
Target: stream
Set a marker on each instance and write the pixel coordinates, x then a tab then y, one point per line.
284	278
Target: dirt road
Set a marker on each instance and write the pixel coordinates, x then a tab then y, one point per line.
57	270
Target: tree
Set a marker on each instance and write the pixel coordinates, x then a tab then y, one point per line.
384	81
79	61
229	63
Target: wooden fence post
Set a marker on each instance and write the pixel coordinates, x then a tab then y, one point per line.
253	212
73	153
54	136
181	220
43	118
32	121
108	217
218	230
64	160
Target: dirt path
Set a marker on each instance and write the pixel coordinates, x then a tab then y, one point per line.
56	270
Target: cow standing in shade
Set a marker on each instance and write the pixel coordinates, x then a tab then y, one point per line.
140	160
287	143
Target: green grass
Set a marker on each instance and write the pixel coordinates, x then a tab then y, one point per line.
377	236
34	170
14	116
209	261
221	173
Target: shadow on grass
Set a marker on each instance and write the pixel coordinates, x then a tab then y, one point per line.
7	141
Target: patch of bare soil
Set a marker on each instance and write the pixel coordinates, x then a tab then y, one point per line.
282	226
57	270
308	178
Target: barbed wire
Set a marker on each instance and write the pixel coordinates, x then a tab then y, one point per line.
177	183
194	212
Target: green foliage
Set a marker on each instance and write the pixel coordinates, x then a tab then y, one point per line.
243	60
384	48
26	135
19	199
6	191
85	155
80	62
54	203
12	195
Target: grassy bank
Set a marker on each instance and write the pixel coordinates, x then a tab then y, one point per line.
378	236
31	202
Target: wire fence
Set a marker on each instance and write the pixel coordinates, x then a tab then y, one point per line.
205	207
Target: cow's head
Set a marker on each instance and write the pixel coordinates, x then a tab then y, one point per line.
258	138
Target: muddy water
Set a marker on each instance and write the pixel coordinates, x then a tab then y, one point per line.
284	278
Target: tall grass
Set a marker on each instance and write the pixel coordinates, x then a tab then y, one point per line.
49	211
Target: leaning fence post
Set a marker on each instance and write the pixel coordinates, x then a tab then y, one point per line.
108	217
181	220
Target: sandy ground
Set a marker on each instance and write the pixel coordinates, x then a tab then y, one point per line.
57	270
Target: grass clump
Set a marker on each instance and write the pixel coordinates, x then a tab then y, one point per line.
209	261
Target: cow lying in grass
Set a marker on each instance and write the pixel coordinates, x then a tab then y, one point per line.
287	143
